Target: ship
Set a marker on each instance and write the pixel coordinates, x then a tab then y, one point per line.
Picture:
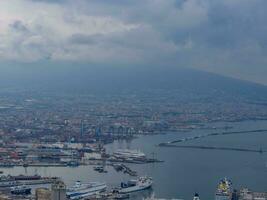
83	190
26	178
141	183
224	190
7	181
129	154
20	190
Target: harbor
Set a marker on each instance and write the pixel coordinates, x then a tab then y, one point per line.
33	187
184	167
25	187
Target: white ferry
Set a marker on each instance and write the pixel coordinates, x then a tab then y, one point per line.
83	190
136	185
127	153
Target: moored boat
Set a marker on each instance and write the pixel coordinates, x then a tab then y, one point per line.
196	197
83	190
129	154
136	185
21	190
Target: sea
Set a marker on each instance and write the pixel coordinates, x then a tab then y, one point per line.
185	171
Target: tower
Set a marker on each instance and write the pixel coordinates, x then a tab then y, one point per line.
82	129
58	191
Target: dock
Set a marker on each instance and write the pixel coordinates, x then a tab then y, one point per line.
125	169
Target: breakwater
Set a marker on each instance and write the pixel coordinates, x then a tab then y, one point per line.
211	135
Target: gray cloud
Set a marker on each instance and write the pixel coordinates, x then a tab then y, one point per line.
222	36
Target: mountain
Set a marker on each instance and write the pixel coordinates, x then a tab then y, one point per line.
104	80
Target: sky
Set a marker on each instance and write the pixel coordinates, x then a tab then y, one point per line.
227	37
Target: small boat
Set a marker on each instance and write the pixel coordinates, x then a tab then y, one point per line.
118	167
26	178
136	185
21	190
97	168
73	163
25	165
84	190
196	197
7	165
121	196
116	195
100	169
8	183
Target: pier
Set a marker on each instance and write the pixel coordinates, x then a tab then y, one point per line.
125	169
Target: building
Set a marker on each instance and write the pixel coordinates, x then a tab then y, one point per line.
58	191
42	194
4	197
246	194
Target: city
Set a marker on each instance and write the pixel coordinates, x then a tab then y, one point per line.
130	99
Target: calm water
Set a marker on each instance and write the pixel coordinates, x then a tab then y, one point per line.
185	171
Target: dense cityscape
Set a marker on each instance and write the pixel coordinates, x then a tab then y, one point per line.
63	130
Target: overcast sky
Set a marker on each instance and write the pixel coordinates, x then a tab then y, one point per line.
228	37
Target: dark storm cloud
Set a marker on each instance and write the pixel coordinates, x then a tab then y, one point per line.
223	36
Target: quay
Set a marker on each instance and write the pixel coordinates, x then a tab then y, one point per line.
42	165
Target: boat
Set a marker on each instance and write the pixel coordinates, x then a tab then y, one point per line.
100	169
129	154
83	190
224	190
136	185
20	190
196	197
6	165
73	164
26	177
8	183
119	167
121	196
